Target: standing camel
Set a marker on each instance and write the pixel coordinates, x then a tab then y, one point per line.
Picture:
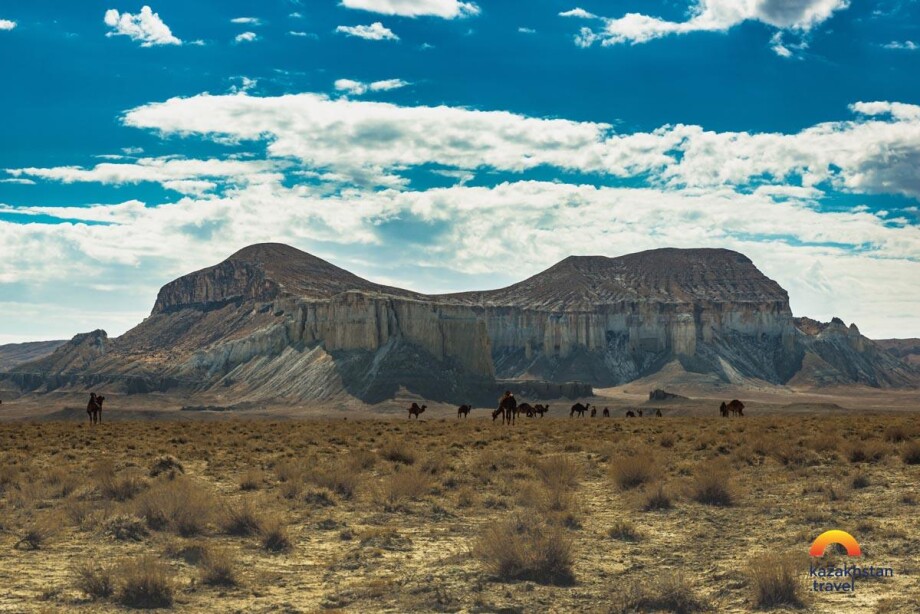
415	410
507	407
657	413
594	412
463	410
94	408
606	413
630	414
736	407
579	409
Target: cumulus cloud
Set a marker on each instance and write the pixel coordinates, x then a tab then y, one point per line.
446	9
252	21
6	24
358	88
798	16
374	32
902	45
578	12
877	152
246	37
145	27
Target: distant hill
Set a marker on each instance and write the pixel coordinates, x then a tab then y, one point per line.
907	350
13	354
273	322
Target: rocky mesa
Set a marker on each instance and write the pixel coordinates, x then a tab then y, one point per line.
273	322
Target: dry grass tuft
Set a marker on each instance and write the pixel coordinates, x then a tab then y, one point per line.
218	568
95	579
145	583
634	470
664	593
776	581
274	535
166	464
241	519
711	487
180	505
625	531
517	549
911	453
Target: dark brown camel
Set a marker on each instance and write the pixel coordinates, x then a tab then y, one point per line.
594	412
640	413
464	410
540	409
94	408
657	413
723	410
630	414
579	409
736	407
508	407
415	410
606	413
527	409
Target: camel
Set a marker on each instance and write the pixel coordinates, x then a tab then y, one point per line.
540	409
94	408
579	409
630	414
594	412
464	410
527	409
415	410
640	413
657	413
508	407
723	410
606	413
736	407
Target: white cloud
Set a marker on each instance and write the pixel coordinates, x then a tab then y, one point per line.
252	21
186	176
146	27
358	88
17	180
798	16
299	34
523	30
877	152
6	24
374	32
447	9
246	37
579	13
904	46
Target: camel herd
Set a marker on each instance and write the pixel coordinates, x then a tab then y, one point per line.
509	409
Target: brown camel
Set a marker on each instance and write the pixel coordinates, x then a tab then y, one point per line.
94	408
630	414
594	412
415	410
640	413
527	409
508	407
540	409
736	407
579	409
606	413
723	410
464	410
657	413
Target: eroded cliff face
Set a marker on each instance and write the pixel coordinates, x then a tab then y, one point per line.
274	322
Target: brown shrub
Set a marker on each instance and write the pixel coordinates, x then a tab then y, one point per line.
517	549
218	568
406	485
145	583
396	451
711	487
274	535
657	499
911	453
624	530
664	593
632	471
241	519
181	505
776	581
95	579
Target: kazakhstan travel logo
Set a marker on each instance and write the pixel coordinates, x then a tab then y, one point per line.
830	577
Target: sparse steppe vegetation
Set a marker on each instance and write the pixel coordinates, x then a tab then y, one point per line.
607	515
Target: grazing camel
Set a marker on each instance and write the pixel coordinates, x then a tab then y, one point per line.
508	407
594	412
657	413
540	409
94	408
463	410
579	409
415	410
736	407
630	414
606	413
527	409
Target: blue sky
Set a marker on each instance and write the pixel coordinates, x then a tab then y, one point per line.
444	145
